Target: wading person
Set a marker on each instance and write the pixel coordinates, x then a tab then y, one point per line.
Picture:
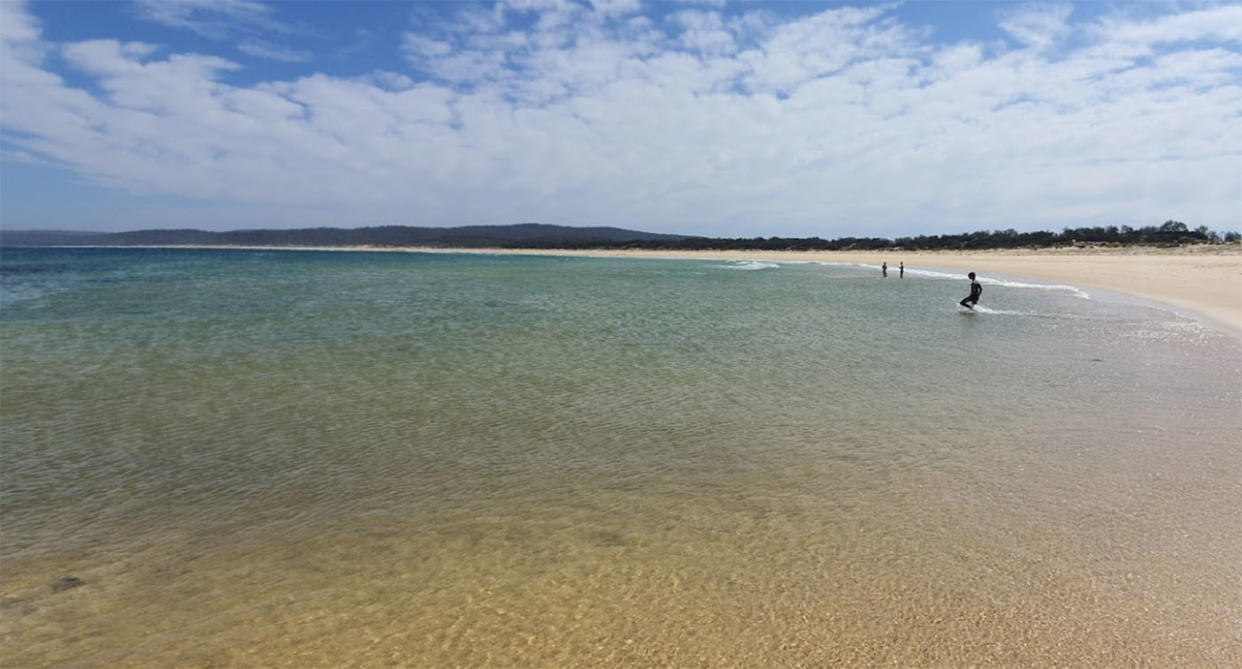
975	291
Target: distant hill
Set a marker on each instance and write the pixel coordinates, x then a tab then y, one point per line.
472	236
536	235
45	237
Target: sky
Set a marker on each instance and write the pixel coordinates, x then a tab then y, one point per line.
747	119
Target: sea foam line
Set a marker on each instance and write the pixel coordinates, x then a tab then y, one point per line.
1006	283
750	265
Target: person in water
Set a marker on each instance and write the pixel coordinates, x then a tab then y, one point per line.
902	269
884	269
975	290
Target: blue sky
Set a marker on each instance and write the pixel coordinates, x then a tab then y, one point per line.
733	119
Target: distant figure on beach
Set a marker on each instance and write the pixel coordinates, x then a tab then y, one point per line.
884	269
975	291
901	268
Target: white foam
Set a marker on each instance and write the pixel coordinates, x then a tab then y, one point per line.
1004	312
750	265
929	274
988	281
1073	290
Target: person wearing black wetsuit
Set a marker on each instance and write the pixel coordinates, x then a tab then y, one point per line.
975	291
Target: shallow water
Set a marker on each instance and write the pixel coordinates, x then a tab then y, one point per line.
334	459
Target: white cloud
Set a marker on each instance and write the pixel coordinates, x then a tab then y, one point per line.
1037	26
261	49
843	122
211	18
421	46
1218	23
178	84
793	52
16	25
614	8
704	32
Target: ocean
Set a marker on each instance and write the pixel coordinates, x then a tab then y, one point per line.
264	458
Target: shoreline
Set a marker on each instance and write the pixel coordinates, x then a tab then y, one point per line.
1203	280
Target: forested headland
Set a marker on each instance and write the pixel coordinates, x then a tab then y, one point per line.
1169	234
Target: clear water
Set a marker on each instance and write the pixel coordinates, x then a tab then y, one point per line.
284	458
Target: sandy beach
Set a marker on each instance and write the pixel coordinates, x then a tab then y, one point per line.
1204	280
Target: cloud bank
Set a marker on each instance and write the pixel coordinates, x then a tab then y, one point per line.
847	121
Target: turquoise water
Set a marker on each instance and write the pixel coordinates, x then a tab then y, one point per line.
331	458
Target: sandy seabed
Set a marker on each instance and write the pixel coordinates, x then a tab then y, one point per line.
1129	564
